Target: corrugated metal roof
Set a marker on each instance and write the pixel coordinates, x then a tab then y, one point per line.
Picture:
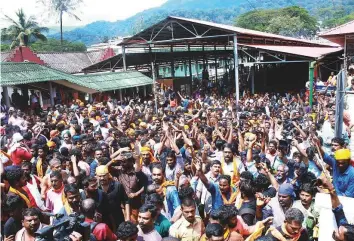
25	73
312	52
117	80
222	27
347	28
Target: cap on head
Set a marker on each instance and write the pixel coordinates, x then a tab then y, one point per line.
286	189
342	154
102	170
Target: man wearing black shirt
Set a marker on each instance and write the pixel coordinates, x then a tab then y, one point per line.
15	206
103	212
116	195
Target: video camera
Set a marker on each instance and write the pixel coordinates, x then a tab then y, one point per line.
62	230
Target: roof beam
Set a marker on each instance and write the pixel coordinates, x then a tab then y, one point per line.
186	29
160	31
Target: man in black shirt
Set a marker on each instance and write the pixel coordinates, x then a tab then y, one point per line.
103	212
117	196
15	206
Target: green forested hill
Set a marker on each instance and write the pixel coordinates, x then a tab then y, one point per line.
329	12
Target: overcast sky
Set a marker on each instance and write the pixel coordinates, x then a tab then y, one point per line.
89	11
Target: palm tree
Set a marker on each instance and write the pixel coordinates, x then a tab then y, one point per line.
59	7
22	31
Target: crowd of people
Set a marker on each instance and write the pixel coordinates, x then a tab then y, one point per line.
193	168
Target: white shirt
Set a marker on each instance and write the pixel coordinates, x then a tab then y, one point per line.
205	194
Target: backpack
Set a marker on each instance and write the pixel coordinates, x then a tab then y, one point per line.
92	227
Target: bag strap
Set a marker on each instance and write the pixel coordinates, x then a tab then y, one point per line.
93	226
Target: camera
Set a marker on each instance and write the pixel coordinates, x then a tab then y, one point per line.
61	230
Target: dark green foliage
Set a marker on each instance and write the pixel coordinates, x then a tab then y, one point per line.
53	45
290	21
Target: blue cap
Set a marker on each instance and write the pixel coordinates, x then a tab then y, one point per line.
286	189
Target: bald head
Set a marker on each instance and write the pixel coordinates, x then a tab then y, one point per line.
88	207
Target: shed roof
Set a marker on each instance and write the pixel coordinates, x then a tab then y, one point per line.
186	30
347	28
25	73
117	80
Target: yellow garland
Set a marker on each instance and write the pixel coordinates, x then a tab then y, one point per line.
67	207
236	176
232	198
39	167
24	197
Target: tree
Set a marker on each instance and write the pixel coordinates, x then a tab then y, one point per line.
4	47
105	39
59	7
23	30
54	45
290	21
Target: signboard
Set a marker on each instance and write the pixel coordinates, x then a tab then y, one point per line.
320	88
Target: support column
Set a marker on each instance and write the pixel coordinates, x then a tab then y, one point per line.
51	94
40	99
190	69
144	88
340	103
185	68
6	96
124	60
120	95
311	74
216	66
236	70
172	64
157	72
196	66
252	78
154	86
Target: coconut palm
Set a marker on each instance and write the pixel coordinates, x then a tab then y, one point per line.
59	7
22	30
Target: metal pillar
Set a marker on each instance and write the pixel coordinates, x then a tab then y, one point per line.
252	79
6	96
40	98
124	60
196	66
216	66
120	95
154	81
340	103
185	68
157	72
311	74
51	94
236	69
190	69
172	64
144	88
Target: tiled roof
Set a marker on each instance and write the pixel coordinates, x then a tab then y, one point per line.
25	73
71	62
5	56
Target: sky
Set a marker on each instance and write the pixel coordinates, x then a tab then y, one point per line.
89	11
